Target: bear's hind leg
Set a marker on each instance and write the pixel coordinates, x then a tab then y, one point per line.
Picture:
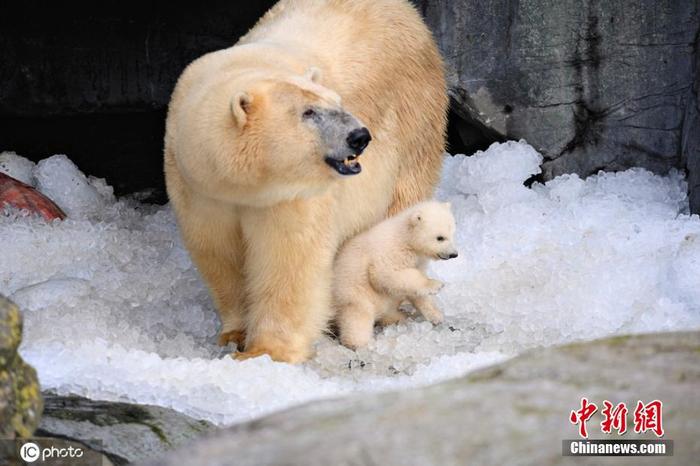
217	251
225	281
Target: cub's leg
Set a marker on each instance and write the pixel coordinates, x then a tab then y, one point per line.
215	243
356	323
403	283
426	307
392	315
288	271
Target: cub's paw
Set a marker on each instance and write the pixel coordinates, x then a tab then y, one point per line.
434	287
434	316
356	342
391	318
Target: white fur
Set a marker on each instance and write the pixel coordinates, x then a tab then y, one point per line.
380	268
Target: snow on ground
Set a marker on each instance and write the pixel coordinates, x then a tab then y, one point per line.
115	310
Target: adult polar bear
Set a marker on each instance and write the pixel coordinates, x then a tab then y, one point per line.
260	144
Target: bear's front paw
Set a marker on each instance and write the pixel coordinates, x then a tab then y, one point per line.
234	336
276	354
243	355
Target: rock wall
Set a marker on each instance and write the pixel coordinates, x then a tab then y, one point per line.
592	84
691	137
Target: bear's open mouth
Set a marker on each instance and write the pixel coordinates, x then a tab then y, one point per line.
347	166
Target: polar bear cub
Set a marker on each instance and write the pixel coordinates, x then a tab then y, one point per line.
379	269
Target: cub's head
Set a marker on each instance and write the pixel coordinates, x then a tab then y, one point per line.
431	230
275	138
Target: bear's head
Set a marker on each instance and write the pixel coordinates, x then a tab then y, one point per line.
431	230
268	138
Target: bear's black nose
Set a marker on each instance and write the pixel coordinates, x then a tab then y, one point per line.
453	255
358	139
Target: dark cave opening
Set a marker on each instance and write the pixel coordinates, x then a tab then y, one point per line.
465	134
124	148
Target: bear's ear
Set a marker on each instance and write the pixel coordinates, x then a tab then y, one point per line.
313	74
416	218
240	107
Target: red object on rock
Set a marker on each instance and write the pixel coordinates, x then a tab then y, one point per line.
22	196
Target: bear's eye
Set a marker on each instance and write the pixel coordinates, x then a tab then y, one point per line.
441	238
308	113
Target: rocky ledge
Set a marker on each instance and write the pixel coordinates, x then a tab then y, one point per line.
123	432
513	413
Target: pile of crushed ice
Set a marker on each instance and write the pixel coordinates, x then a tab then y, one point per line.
115	310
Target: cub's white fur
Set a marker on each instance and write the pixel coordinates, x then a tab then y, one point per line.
384	266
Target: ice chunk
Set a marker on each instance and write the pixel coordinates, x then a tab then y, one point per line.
17	167
509	163
497	176
59	179
685	271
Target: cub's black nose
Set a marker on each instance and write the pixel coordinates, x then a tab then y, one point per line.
453	255
358	139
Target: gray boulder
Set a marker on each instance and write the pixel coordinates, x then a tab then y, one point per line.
513	413
593	85
123	432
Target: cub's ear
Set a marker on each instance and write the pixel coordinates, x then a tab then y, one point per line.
313	74
416	218
240	107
